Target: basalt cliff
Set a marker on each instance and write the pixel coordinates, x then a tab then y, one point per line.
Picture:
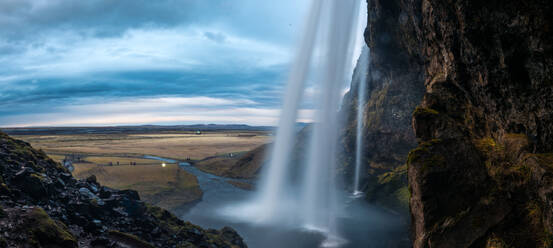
480	74
42	205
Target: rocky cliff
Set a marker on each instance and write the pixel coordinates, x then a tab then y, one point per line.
482	173
42	205
394	88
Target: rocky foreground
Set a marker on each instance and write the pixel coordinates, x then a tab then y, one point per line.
42	205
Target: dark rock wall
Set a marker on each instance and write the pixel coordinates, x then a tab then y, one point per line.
481	73
394	88
482	173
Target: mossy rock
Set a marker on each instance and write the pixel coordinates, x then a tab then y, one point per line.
46	232
129	240
423	156
403	195
165	218
487	145
390	190
4	189
421	111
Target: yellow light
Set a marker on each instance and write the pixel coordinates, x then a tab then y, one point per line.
163	165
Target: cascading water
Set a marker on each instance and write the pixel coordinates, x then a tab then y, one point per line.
319	205
312	202
274	179
362	70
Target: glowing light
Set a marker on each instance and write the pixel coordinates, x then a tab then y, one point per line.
163	165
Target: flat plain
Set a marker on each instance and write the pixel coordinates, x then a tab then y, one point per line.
117	160
180	145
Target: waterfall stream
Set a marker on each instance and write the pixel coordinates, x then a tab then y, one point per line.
310	199
361	77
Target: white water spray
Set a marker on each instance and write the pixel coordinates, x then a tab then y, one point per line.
319	203
313	201
362	70
274	179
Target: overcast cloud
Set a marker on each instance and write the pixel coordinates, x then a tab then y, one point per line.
105	62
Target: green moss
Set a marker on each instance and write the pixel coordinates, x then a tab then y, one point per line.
424	111
130	239
165	218
487	145
424	157
4	189
37	177
392	175
45	231
403	196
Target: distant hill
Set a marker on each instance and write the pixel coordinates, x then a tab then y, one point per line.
134	129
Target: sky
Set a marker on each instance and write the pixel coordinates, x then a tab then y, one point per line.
135	62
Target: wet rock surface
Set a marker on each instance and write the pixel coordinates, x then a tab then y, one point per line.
42	205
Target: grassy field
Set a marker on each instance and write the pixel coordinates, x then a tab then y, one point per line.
177	145
217	165
168	186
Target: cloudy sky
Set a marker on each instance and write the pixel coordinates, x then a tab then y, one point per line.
105	62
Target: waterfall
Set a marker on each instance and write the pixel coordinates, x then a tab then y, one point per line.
312	202
274	178
319	204
362	70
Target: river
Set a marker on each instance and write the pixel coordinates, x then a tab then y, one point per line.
362	225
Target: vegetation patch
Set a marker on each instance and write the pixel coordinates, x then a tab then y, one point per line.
128	239
177	145
217	165
425	157
403	196
168	187
488	145
421	111
45	231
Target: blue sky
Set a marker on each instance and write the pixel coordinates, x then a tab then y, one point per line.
104	62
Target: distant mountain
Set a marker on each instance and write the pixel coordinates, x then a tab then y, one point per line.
134	129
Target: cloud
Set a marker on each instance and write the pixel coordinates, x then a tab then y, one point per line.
174	110
100	62
217	37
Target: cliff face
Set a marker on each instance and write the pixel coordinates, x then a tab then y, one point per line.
42	205
482	174
394	88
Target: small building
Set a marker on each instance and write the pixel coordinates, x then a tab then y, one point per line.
198	132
